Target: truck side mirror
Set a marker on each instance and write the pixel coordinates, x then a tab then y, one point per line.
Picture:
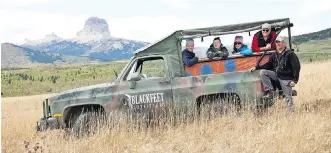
132	78
132	84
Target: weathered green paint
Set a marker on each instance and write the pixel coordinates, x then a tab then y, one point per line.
162	93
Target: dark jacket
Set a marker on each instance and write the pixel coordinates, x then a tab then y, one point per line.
221	52
189	58
259	42
285	64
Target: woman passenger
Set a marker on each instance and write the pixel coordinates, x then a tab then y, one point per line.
240	48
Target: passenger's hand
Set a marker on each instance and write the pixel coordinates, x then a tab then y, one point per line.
252	69
268	47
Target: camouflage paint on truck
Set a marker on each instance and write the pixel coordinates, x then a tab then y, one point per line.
137	91
151	94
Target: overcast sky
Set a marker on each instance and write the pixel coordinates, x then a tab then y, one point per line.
150	20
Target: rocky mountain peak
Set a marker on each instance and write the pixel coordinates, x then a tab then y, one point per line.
94	29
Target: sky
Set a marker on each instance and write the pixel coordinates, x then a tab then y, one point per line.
151	20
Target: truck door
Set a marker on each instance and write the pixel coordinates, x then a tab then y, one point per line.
146	87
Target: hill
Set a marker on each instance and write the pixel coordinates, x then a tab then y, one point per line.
14	55
319	35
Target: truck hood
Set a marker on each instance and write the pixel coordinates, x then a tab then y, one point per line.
83	92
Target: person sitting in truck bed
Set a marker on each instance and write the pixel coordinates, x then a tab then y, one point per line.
262	39
240	48
188	55
217	49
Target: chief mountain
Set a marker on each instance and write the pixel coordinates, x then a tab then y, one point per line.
93	42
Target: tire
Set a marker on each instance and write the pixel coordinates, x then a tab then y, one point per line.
86	124
217	105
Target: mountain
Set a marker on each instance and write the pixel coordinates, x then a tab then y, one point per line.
14	55
94	29
93	42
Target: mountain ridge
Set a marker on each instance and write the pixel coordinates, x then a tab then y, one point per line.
317	35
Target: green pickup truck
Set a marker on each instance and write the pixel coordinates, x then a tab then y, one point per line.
156	80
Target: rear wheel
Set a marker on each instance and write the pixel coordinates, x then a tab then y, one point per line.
218	104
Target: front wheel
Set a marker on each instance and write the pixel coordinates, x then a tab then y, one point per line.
87	123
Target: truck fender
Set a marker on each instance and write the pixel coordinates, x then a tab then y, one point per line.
77	109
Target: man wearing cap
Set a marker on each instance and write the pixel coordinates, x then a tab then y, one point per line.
216	49
188	55
262	39
283	66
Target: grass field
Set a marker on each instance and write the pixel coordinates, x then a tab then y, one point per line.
306	130
51	79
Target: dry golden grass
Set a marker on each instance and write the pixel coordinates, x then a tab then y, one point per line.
307	130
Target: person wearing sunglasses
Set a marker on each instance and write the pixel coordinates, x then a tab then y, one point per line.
262	39
283	67
239	47
216	49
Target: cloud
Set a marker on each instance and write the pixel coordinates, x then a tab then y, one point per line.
19	25
14	4
181	4
150	28
311	7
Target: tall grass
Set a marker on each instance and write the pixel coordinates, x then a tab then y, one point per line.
306	130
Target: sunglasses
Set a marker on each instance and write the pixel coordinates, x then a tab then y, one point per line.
237	43
265	30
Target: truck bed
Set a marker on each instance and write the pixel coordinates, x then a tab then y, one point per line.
233	63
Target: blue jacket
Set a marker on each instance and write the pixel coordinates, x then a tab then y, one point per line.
189	58
244	50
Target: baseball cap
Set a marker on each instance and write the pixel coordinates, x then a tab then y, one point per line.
238	39
266	26
280	38
189	41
